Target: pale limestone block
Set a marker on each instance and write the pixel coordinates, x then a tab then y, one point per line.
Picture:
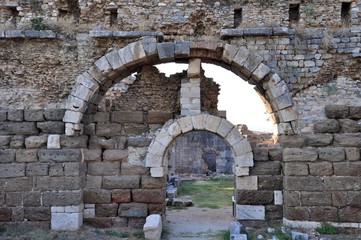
185	124
287	114
174	129
241	171
81	92
66	221
278	197
88	81
136	155
75	104
199	122
250	212
194	68
234	136
72	117
126	56
74	208
156	148
115	61
150	48
103	65
241	57
247	183
53	141
166	51
245	160
157	172
278	90
152	160
57	209
164	138
242	147
283	129
282	102
89	212
153	227
69	129
212	123
182	49
97	74
224	127
229	53
274	80
137	50
261	71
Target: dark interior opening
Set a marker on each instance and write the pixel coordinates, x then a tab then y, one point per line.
113	17
346	13
294	13
237	17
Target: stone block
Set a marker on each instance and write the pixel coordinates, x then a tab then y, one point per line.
17	214
37	213
247	183
103	65
322	214
121	182
254	197
327	126
148	195
270	182
93	182
296	169
115	155
164	138
287	114
250	212
102	142
275	154
157	117
56	169
3	115
108	129
73	117
349	214
240	58
5	141
148	182
319	140
12	170
156	148
16	184
266	168
51	127
241	171
62	198
91	155
292	141
74	142
54	114
32	199
229	53
283	129
235	227
74	169
242	148
224	129
103	168
115	61
212	123
347	169
130	169
66	221
296	213
88	81
34	115
7	155
150	48
278	197
99	222
245	160
301	183
321	169
331	154
17	142
61	155
316	199
260	73
137	210
136	223
53	142
174	129
106	210
185	123
260	154
352	154
157	208
18	128
299	155
97	196
292	198
5	214
139	141
348	126
121	196
347	140
37	169
127	117
157	172
14	199
15	115
355	112
58	183
136	129
182	49
166	51
153	227
194	68
336	111
76	104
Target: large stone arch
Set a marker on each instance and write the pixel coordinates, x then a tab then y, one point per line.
243	156
111	68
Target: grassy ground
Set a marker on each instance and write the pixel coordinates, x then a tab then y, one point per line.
208	194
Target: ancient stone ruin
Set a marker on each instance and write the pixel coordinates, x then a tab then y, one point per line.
86	119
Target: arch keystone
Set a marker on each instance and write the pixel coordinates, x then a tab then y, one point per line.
198	121
185	124
212	123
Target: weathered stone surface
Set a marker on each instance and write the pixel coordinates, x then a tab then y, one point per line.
139	141
62	198
347	140
121	196
34	115
296	213
321	168
166	51
260	154
352	154
61	155
102	142
247	183
336	183
97	196
93	182
292	198
266	168
106	210
18	128
12	170
37	213
136	129
91	155
74	169
319	140
58	183
299	155
349	214
153	227
122	182
347	169
327	126
7	155
127	117
74	142
51	127
16	184
275	154
115	155
32	199
270	182
133	210
336	111
99	222
17	142
148	195
14	199
130	169
56	169
54	114
355	112
37	169
296	169
331	154
103	168
349	126
153	183
5	141
254	197
156	117
250	212
16	115
36	141
108	129
5	214
316	198
300	183
292	141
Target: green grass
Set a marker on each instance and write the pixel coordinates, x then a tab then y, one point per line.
326	228
208	194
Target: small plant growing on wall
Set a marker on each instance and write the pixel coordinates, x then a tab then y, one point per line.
326	41
326	228
37	23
